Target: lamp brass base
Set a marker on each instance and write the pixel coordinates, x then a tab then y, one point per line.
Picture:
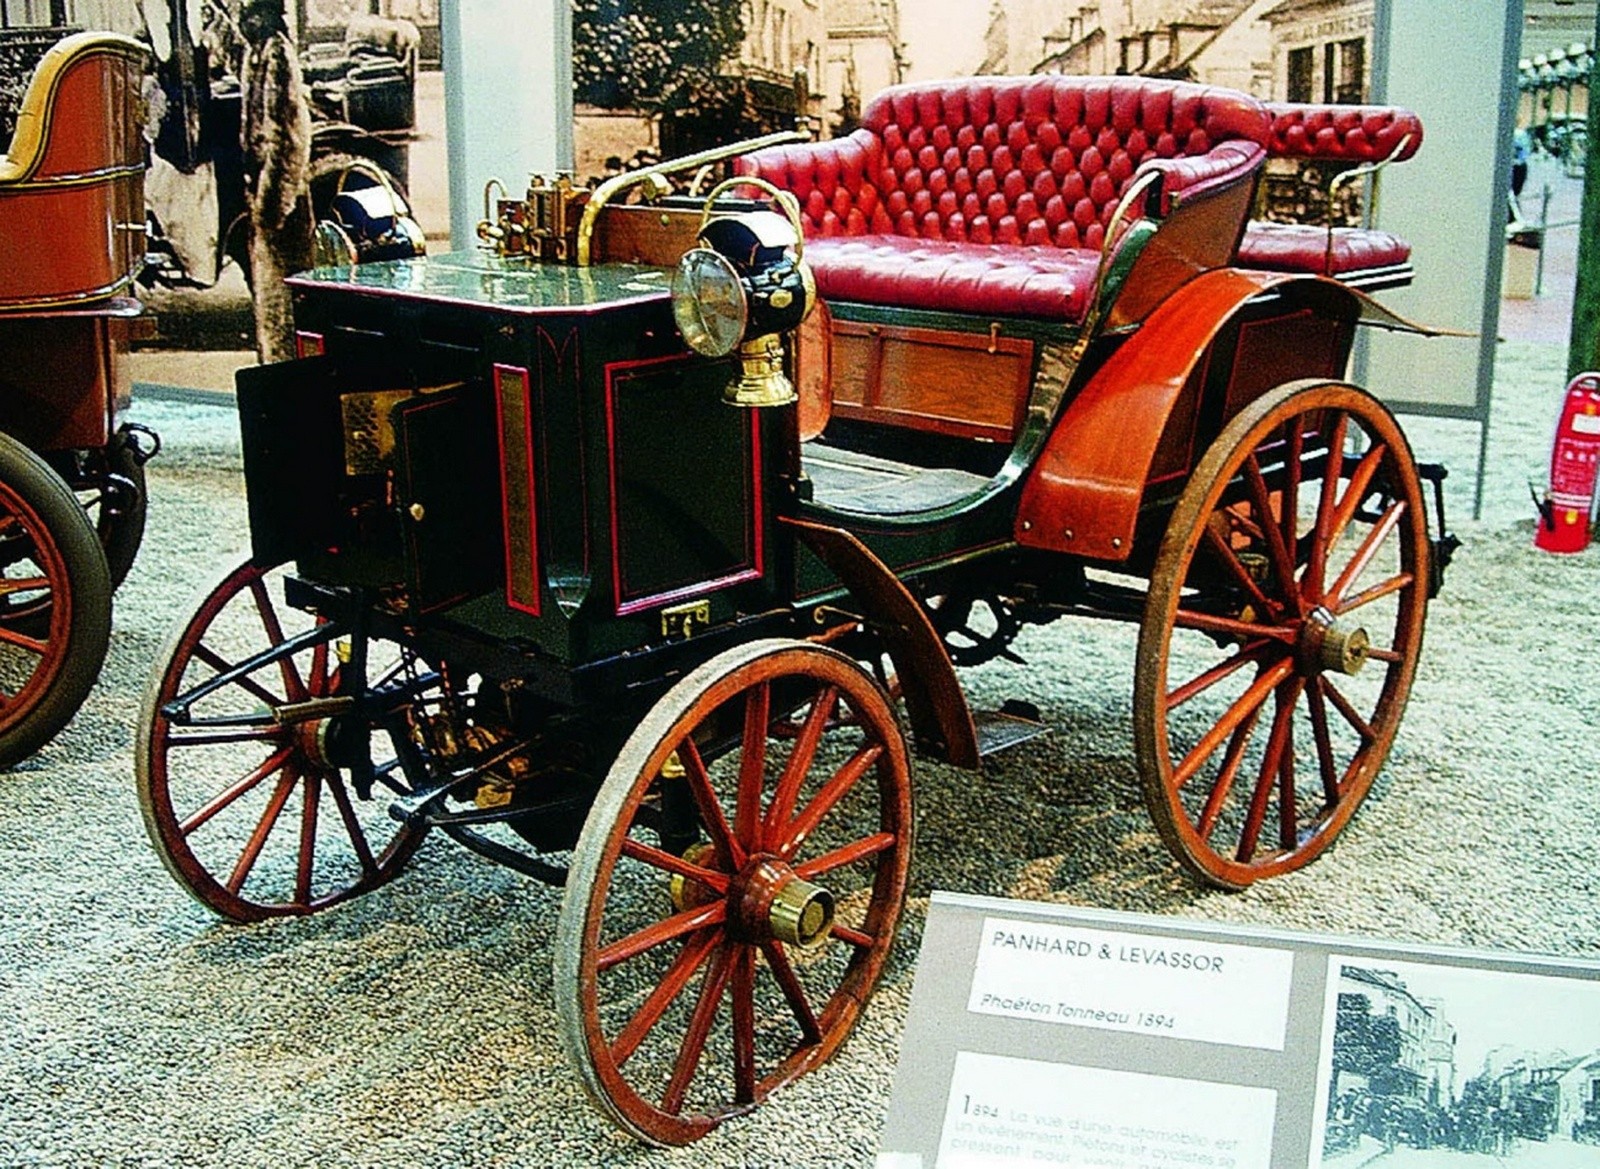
764	383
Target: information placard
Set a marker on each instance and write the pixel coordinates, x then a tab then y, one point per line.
1051	1035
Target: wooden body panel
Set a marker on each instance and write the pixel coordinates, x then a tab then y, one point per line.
72	183
63	378
1084	493
943	382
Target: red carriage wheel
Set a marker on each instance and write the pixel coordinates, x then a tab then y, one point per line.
693	981
248	753
55	603
1281	632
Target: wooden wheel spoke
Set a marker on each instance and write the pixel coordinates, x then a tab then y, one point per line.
352	827
831	793
743	995
33	645
699	1030
689	960
794	994
1289	518
1288	814
1247	655
222	666
1241	709
1282	561
1272	764
1368	548
1240	573
1326	766
730	853
1391	656
23	584
800	760
1360	481
1323	533
1351	715
312	793
258	838
238	788
320	680
293	684
1229	771
666	862
660	932
855	937
846	855
1231	627
1377	592
752	767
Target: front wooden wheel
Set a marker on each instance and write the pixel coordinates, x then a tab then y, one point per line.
1281	632
734	895
251	749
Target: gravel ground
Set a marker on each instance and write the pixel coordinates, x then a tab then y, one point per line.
416	1026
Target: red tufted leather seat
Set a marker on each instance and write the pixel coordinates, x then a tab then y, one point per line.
992	194
1357	136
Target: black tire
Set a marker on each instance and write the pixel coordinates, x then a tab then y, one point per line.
49	547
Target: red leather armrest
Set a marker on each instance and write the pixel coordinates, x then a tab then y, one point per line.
1354	134
1225	163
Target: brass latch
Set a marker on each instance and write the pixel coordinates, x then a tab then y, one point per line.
685	620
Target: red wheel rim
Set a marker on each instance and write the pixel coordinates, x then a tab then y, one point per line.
1282	632
33	582
239	799
683	1012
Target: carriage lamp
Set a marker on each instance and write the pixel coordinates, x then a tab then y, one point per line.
744	287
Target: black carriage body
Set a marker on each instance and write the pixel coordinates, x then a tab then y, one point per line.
521	462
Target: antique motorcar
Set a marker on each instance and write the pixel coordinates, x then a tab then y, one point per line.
637	549
72	484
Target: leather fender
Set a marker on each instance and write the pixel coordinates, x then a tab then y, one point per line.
941	721
1083	494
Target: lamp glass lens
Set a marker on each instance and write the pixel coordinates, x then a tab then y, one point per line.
708	303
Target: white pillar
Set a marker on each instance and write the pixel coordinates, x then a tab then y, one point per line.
508	98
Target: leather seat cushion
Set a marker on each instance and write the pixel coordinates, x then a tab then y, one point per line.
1005	279
1294	247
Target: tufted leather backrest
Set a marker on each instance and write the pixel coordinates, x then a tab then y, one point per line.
1356	134
1014	160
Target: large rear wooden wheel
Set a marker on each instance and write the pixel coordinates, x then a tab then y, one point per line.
699	970
251	750
1281	632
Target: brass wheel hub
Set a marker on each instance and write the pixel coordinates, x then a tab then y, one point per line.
1326	644
768	901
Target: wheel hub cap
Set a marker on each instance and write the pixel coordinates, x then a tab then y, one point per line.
769	901
1334	646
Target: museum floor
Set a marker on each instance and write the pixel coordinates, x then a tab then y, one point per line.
416	1027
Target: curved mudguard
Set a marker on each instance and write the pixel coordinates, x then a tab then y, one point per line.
941	721
1084	491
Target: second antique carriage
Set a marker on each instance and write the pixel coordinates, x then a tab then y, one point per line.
600	553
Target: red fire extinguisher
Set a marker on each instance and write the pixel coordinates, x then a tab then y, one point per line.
1567	509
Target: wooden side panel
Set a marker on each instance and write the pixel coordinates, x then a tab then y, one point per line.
1085	489
962	384
60	378
639	233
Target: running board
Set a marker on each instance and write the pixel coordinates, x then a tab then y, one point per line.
1014	723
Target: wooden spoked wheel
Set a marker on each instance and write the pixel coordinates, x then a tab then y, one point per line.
55	603
1281	632
249	752
694	979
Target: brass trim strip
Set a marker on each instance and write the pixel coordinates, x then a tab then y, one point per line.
87	179
74	298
